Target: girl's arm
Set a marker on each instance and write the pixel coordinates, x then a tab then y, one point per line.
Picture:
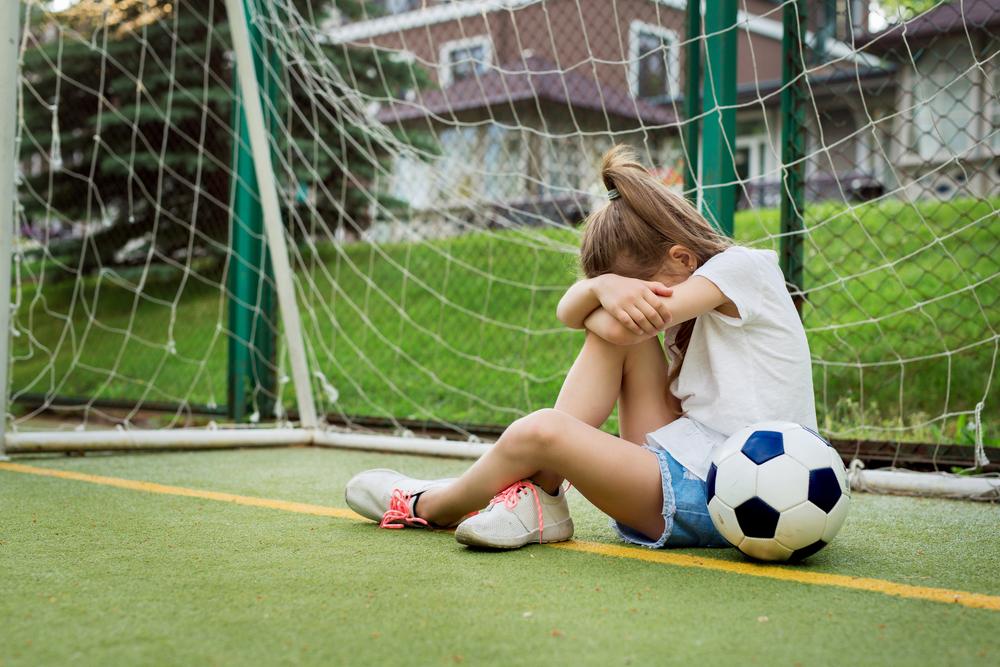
577	303
630	301
691	298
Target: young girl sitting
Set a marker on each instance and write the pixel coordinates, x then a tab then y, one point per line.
737	355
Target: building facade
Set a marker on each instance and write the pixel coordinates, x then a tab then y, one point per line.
528	95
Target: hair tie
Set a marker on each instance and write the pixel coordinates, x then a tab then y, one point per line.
613	194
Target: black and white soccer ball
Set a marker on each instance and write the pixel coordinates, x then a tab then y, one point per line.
778	491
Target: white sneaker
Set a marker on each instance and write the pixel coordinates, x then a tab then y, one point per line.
387	496
510	524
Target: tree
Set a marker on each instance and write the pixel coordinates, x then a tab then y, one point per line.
906	9
127	126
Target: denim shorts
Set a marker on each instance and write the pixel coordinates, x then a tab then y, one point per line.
685	510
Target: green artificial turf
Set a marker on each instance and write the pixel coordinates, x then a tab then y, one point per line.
464	329
98	575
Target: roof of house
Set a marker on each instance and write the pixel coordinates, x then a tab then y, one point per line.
826	82
532	78
944	19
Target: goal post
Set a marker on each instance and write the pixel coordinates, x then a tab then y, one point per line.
9	33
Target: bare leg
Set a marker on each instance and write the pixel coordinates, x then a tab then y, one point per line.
621	479
635	376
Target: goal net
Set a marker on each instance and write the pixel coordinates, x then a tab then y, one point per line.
432	162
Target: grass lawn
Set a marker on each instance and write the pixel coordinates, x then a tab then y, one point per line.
101	575
903	314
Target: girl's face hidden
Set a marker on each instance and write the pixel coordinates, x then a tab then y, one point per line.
678	266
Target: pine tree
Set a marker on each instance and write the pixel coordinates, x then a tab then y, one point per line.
127	127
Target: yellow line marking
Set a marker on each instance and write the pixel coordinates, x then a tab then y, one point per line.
151	487
782	573
788	573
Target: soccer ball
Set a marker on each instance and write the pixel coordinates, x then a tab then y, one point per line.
777	491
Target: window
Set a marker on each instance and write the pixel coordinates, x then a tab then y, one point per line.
754	161
503	164
859	15
942	118
455	180
751	137
465	58
852	18
653	61
564	166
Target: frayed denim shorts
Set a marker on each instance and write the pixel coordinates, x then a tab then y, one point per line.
685	510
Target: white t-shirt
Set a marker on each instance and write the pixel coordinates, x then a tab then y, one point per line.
741	370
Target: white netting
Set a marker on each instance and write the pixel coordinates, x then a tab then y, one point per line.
434	160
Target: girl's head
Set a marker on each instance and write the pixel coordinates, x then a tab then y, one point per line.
648	232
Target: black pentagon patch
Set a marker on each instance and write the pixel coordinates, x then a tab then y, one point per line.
824	489
763	446
805	552
757	518
817	435
710	481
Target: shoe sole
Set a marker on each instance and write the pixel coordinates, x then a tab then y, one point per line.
559	532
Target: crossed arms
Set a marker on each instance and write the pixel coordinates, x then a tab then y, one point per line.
626	311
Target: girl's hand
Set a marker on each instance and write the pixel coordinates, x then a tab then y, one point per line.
634	303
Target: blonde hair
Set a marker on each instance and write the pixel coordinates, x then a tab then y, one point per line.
633	233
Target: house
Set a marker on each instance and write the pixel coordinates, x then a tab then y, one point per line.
942	139
530	93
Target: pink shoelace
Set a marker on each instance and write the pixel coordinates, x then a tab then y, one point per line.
400	512
510	497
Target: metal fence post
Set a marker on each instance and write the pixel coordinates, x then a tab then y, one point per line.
692	98
10	20
251	286
277	246
793	147
719	123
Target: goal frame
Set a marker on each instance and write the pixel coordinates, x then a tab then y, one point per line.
714	143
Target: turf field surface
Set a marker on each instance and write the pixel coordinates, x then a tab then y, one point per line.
95	573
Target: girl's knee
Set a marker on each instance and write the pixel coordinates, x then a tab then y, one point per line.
536	431
647	354
603	345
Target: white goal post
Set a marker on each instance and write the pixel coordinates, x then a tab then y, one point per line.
8	200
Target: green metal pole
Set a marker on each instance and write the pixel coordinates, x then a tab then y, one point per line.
826	31
251	378
266	324
692	98
793	98
719	123
241	263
